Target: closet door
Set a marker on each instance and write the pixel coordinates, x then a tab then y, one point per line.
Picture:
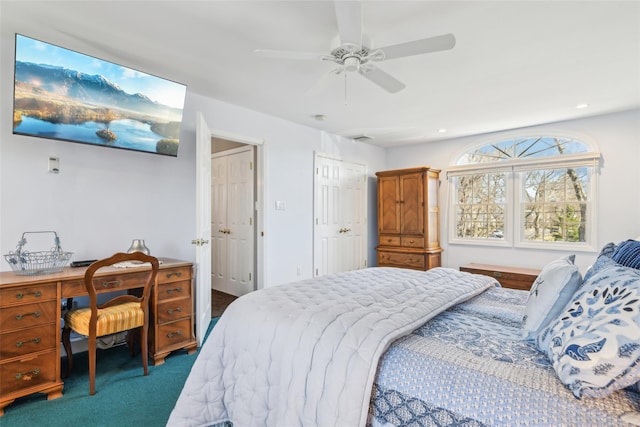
340	216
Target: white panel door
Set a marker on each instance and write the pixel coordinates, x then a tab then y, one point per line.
340	216
233	229
203	228
327	220
352	216
219	253
240	222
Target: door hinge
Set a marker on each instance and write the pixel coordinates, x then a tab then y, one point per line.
316	221
365	262
249	276
250	221
250	165
316	271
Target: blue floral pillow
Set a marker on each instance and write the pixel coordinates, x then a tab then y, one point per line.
594	344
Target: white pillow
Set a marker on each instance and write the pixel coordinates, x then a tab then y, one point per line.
550	293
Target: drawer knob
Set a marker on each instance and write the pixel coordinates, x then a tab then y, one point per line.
36	294
35	314
21	343
171	310
177	274
174	290
171	334
411	241
112	284
497	274
28	375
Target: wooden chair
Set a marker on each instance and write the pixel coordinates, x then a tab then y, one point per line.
122	313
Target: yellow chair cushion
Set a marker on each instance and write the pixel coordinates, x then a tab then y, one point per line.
113	319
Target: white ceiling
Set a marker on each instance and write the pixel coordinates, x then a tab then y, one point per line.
515	63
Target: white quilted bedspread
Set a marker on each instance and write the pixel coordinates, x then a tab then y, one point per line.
306	353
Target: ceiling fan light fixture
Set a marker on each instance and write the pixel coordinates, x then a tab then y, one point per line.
352	63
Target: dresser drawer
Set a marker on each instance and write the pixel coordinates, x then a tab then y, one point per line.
174	275
174	333
171	310
174	290
27	294
412	242
401	259
28	372
103	284
27	315
20	343
389	240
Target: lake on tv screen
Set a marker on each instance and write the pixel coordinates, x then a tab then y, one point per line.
131	134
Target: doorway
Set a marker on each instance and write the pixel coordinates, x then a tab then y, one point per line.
233	231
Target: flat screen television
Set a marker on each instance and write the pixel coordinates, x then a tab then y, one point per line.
66	95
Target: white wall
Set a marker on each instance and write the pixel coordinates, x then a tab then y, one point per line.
618	138
103	198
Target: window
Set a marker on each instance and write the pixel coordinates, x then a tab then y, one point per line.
531	192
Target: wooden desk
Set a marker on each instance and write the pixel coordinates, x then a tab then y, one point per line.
30	312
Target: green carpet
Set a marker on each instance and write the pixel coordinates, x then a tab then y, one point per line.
124	396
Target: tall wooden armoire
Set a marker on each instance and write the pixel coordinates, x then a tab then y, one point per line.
409	218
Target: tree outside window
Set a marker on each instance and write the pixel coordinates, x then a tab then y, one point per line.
549	201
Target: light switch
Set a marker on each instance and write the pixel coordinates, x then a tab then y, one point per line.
54	165
280	205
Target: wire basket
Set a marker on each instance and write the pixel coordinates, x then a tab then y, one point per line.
25	263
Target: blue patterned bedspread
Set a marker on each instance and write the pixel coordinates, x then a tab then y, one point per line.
469	366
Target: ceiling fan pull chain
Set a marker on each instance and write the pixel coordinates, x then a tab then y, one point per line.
345	88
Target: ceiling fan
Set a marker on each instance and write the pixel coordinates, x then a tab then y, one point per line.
353	56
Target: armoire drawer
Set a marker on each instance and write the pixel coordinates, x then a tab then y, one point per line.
412	242
409	260
389	240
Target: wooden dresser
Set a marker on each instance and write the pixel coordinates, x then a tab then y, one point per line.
509	277
30	312
409	218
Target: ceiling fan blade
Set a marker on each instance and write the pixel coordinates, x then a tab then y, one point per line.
287	54
382	79
417	47
324	81
349	16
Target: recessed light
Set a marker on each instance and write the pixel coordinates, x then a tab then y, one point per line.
442	130
581	106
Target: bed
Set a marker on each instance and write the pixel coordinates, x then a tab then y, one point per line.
396	347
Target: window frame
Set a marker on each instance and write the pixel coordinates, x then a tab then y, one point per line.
514	222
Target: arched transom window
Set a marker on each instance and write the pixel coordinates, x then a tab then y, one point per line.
534	191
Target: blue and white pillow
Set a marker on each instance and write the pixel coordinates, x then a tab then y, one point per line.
594	344
628	254
550	293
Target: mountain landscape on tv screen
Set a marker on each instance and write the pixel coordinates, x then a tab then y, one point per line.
60	96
